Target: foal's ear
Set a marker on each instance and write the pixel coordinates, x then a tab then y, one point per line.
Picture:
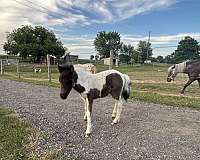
60	68
173	66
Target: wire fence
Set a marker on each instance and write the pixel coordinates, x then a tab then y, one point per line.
25	69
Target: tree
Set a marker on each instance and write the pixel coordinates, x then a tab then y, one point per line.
35	42
106	42
144	50
127	52
91	57
136	58
187	49
96	57
160	59
169	59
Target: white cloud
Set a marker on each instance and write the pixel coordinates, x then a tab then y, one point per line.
62	15
129	8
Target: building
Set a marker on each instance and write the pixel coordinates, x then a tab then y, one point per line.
70	58
43	60
108	61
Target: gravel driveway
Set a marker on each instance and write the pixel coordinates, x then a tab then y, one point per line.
145	132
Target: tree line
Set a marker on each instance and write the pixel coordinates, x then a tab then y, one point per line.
36	42
187	49
106	42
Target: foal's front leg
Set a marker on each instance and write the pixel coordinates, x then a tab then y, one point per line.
88	114
85	115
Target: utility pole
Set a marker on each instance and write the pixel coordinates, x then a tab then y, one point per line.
48	66
148	45
111	59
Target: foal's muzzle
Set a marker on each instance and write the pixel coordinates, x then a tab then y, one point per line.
63	96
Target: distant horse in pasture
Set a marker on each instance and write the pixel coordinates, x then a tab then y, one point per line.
37	70
87	66
191	68
93	86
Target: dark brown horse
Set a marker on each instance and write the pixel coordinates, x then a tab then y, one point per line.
191	68
92	86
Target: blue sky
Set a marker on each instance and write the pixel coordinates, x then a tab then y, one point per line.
76	22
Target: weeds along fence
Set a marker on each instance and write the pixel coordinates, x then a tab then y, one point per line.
18	68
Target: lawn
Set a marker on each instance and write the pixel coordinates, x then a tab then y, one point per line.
149	83
18	139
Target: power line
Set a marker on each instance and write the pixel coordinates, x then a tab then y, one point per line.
48	10
164	47
48	13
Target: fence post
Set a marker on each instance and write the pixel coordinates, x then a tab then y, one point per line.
48	65
111	59
1	66
18	68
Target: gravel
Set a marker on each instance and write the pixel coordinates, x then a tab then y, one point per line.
146	131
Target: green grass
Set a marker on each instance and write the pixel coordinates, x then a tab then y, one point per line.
147	80
18	140
13	136
177	101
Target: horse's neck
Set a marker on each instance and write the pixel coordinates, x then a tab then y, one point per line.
180	67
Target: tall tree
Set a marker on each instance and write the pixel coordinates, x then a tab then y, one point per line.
106	42
160	59
136	57
169	59
127	52
187	49
91	57
145	51
35	42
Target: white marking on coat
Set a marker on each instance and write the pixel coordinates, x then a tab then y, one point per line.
91	81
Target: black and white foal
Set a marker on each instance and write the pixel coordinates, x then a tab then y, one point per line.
92	86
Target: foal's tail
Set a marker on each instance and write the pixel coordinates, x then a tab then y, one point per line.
127	87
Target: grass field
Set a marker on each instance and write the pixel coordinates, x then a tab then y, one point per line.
149	83
18	140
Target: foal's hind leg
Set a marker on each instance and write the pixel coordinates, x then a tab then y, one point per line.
119	110
114	110
85	115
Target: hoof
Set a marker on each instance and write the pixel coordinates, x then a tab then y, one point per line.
87	135
113	115
115	121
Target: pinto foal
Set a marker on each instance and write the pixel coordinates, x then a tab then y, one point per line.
93	86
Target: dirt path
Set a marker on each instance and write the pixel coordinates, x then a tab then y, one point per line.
146	131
